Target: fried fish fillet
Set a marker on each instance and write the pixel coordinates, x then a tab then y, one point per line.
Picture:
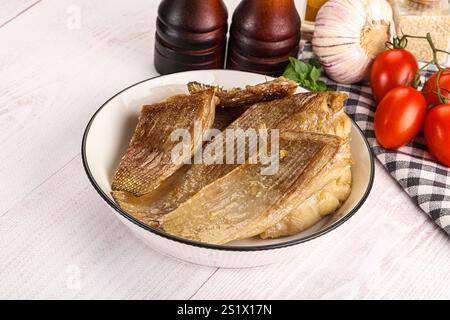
314	112
327	200
307	214
237	98
147	161
244	203
236	101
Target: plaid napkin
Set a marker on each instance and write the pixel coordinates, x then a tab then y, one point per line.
423	179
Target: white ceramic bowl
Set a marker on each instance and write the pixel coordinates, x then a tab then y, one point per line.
106	139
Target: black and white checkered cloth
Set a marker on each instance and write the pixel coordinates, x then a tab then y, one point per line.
426	181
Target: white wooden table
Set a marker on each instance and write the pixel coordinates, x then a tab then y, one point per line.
59	61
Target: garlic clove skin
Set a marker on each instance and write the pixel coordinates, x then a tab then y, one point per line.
349	34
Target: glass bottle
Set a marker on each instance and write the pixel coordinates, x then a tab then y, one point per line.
312	8
416	18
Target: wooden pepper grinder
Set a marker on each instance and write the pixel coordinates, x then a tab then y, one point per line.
190	35
264	34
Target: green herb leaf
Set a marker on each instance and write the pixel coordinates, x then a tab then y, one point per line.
321	86
300	67
307	84
291	74
315	63
305	74
315	74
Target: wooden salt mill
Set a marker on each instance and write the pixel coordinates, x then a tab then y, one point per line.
190	35
263	35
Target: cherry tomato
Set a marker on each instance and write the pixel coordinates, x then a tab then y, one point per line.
392	68
399	117
430	89
437	133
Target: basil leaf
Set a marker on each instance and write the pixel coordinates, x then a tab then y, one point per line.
291	74
294	63
315	74
289	69
301	68
305	74
321	86
307	83
292	60
315	63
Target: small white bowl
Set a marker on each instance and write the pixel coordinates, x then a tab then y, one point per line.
106	139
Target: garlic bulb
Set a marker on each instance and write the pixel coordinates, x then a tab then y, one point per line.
349	34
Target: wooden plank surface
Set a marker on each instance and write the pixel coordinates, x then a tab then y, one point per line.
387	250
58	239
12	9
62	242
57	77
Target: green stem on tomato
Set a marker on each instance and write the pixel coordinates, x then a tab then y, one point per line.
397	43
443	99
443	51
438	88
416	80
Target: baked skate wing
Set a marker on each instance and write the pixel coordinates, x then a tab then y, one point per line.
244	203
147	162
305	111
235	98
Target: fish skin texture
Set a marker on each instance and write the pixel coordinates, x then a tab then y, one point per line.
327	200
244	203
314	112
234	102
321	204
147	162
237	98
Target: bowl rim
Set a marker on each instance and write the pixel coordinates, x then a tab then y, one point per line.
247	248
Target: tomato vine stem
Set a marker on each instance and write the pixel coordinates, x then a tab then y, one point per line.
402	42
